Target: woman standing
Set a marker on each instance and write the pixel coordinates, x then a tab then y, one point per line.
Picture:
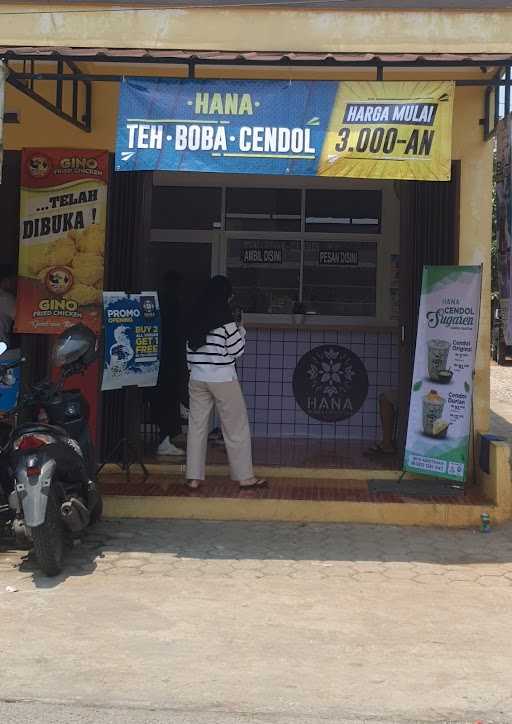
214	343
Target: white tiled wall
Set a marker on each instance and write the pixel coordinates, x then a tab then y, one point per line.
266	372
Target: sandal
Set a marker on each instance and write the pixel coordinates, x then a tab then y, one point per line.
192	484
258	483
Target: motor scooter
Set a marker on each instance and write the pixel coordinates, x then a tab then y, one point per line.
48	462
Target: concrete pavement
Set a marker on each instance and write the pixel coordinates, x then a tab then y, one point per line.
21	713
266	622
228	623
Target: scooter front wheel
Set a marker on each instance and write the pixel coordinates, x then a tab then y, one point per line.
49	539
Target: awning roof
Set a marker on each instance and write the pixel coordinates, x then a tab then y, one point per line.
336	4
29	65
214	57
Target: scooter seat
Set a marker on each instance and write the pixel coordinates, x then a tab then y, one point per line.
39	427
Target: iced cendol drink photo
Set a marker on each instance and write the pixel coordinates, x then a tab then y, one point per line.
437	359
433	405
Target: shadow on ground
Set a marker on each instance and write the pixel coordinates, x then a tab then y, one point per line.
500	426
217	541
79	561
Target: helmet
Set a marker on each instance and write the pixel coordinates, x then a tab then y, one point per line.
75	344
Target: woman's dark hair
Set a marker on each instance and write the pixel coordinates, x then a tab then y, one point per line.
212	310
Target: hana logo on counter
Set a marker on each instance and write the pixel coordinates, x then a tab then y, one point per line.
330	383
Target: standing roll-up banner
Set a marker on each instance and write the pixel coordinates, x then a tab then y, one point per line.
2	106
439	426
352	129
504	222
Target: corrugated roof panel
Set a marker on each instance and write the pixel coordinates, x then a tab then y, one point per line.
446	5
214	56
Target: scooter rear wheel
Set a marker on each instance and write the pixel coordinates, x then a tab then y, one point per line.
49	539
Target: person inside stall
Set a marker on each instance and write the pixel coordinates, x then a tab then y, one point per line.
7	302
388	411
171	390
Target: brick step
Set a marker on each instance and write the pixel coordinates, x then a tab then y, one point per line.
278	488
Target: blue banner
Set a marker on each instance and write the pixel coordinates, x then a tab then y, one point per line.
358	129
132	340
226	126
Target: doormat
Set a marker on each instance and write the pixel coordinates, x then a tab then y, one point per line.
415	488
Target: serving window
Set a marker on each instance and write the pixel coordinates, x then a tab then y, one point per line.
314	277
263	209
329	253
348	211
340	278
265	274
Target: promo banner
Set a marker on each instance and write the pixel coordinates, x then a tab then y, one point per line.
504	222
441	397
2	106
63	208
358	129
132	340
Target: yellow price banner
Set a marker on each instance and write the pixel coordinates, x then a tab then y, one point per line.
390	130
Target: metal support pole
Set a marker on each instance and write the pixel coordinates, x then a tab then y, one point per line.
98	77
58	94
507	91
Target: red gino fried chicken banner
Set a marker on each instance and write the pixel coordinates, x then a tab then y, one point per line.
63	208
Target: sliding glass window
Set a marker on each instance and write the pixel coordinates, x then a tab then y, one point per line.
308	251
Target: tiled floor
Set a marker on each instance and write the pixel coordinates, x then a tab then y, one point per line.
277	489
310	453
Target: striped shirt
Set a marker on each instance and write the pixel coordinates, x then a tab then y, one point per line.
215	361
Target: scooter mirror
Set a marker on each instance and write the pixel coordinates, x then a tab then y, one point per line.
3	347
